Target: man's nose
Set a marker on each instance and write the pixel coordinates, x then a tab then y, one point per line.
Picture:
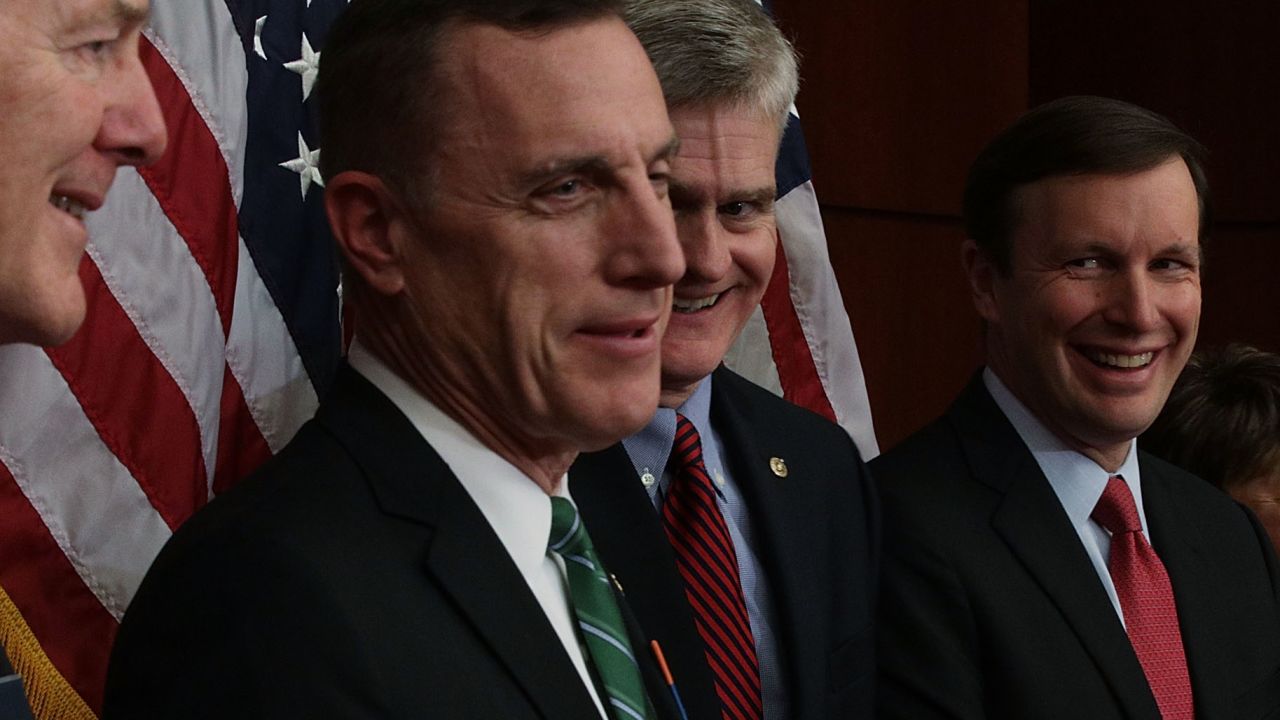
650	255
1133	301
133	129
706	255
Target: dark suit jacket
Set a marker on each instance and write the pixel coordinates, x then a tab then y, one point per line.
351	577
818	533
13	702
990	607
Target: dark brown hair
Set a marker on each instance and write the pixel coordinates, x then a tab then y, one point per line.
1075	135
1222	420
379	91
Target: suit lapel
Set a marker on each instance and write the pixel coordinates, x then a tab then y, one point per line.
779	513
629	538
464	556
1032	522
1177	538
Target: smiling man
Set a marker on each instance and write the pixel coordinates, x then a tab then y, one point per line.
742	527
75	104
496	178
1038	565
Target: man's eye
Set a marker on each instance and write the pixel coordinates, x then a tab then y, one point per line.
735	209
1169	264
1085	263
566	189
96	49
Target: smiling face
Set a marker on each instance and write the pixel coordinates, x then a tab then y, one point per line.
540	275
722	192
75	104
1099	311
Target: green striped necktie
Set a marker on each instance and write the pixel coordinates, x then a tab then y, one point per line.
598	616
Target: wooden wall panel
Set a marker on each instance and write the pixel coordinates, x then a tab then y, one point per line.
897	96
918	335
1241	288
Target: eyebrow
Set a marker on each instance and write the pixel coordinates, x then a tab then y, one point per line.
1176	248
130	13
591	164
762	196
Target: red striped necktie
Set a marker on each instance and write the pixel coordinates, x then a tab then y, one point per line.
1146	596
708	564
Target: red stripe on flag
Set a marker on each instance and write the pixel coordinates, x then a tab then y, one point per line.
129	397
796	370
191	184
241	447
72	627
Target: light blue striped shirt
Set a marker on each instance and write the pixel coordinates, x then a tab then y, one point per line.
649	450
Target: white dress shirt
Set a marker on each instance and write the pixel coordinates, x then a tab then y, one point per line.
514	505
1077	480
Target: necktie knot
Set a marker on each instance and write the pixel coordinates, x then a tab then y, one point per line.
567	534
686	452
1116	510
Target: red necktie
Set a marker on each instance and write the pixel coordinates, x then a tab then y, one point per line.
1150	616
709	566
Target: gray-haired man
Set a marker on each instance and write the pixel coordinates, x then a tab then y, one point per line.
755	572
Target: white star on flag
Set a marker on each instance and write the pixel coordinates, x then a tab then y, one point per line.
308	67
257	37
307	165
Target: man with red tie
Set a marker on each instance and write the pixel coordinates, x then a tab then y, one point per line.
1038	565
741	527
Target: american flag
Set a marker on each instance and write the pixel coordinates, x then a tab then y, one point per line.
213	326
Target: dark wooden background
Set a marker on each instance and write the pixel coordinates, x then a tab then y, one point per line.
898	96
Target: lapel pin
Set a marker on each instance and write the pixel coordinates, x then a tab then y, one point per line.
778	466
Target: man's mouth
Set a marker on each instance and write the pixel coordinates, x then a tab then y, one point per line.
1114	360
74	208
692	305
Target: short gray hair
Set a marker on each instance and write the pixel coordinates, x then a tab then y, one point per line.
717	52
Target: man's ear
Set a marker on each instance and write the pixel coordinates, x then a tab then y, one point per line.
981	273
367	222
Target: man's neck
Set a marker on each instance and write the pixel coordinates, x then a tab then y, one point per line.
546	468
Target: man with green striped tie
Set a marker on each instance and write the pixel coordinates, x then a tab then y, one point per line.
496	178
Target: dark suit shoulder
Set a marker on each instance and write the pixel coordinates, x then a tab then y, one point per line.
928	454
775	419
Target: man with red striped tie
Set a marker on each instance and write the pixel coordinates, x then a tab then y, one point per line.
1037	564
75	104
755	573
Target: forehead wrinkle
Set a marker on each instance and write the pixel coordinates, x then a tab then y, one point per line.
123	12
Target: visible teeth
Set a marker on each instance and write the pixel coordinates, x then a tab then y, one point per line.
1122	361
67	205
688	306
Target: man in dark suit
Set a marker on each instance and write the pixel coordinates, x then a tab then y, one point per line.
785	527
496	179
1037	564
